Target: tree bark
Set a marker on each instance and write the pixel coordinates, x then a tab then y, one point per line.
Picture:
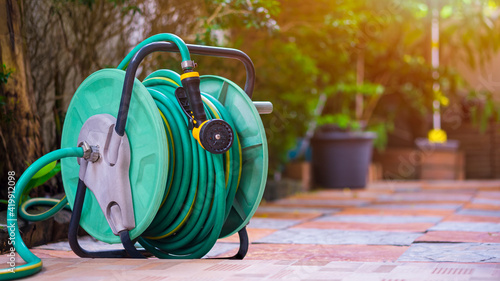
20	141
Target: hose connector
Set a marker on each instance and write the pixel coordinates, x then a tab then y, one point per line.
188	65
90	152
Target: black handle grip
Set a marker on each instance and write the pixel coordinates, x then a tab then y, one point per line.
192	87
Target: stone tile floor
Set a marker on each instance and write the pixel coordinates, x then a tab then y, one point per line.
389	231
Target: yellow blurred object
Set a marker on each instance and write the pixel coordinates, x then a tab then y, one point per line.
437	136
444	101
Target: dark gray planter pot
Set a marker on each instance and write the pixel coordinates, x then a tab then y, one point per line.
341	159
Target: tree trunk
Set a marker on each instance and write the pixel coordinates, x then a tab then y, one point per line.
20	141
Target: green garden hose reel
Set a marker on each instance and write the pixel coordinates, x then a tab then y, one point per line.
174	162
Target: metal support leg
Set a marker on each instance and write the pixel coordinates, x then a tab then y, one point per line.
242	251
74	225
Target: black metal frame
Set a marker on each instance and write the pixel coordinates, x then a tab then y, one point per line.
130	251
128	84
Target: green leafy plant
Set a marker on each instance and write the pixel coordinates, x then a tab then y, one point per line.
4	77
483	109
5	74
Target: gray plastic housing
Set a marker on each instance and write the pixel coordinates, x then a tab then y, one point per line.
108	177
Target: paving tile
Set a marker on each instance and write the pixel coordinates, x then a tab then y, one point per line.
344	266
398	227
253	235
394	212
158	265
321	203
486	213
486	207
310	263
488	194
428	271
470	218
466	226
247	276
460	236
340	194
425	197
58	268
118	267
398	186
452	252
185	269
86	242
487	201
227	267
50	263
42	253
414	206
271	223
486	185
221	248
339	237
273	208
292	215
380	219
330	253
246	269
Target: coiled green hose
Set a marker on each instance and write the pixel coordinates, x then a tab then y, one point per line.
196	205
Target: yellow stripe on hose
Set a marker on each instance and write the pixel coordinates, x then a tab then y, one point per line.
39	264
180	224
228	166
163	78
241	161
21	268
173	155
22	209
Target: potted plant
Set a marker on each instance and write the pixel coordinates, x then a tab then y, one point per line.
343	143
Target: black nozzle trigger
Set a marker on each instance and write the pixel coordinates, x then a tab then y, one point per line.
183	101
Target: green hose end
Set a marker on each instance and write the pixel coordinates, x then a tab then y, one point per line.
22	271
